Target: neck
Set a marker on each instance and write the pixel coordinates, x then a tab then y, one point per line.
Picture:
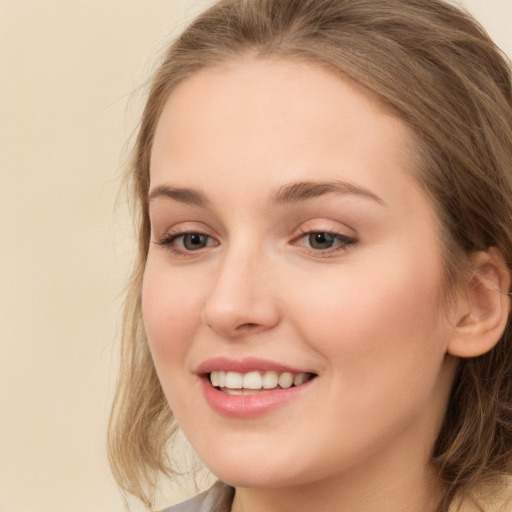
407	495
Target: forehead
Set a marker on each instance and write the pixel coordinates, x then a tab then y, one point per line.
276	121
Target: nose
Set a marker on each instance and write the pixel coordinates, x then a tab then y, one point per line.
243	299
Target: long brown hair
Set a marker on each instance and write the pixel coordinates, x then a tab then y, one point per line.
439	71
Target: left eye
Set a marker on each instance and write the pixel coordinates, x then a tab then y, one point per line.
322	240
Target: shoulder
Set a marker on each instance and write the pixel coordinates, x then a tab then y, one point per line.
216	499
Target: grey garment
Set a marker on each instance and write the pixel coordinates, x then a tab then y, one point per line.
218	498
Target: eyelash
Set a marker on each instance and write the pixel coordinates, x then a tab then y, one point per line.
169	240
343	243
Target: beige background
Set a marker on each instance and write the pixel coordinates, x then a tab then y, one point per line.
70	92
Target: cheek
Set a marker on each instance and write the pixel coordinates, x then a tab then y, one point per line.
170	308
382	337
372	322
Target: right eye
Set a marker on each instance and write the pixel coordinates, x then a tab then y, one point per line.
187	242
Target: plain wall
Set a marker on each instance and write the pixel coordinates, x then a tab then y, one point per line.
70	94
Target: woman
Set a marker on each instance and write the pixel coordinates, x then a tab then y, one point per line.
321	295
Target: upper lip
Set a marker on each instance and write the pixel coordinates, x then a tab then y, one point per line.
244	365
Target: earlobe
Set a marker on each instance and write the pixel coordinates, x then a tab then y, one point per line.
483	306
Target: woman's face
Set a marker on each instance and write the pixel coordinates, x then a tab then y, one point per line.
289	243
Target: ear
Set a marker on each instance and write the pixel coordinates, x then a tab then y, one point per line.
483	306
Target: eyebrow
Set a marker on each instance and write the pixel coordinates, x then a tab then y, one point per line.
305	190
182	195
291	193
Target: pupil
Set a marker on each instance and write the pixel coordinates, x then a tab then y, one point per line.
321	240
194	241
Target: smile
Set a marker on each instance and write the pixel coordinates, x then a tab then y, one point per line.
250	387
235	383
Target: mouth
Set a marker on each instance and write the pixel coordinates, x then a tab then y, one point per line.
251	387
255	382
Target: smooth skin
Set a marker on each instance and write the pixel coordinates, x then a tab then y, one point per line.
344	282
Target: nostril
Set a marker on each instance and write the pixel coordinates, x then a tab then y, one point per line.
247	326
231	313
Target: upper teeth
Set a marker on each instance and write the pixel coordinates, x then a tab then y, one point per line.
256	380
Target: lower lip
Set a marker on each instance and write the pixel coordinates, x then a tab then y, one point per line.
247	406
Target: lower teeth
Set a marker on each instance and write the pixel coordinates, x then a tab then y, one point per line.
244	391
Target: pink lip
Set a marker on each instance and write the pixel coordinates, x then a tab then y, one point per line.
245	365
247	406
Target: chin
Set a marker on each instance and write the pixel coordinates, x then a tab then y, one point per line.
265	475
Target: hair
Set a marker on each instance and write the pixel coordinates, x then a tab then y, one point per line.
437	69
